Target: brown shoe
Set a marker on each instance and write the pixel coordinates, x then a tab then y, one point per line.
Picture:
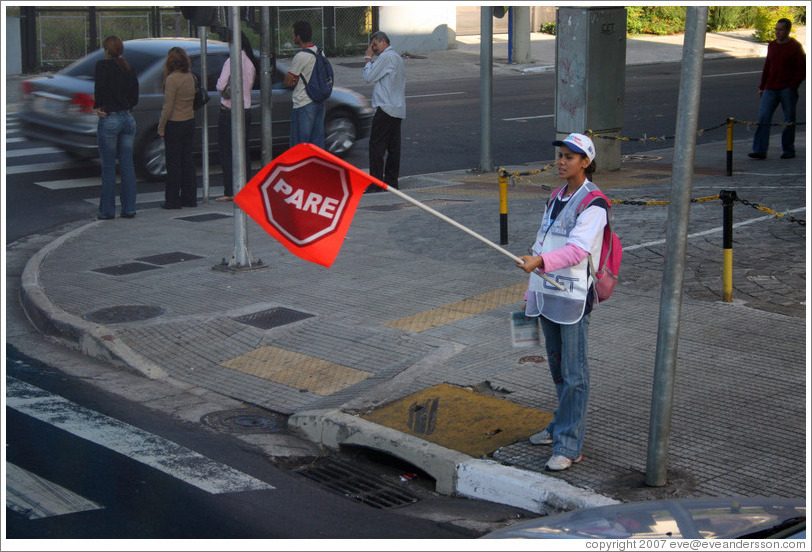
224	198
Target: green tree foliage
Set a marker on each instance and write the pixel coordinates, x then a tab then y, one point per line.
656	20
726	18
664	20
766	19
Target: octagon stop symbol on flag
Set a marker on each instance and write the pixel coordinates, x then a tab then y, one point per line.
306	199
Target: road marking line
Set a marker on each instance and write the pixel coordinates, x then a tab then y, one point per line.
137	444
712	230
40	167
529	117
71	183
436	95
733	74
35	497
30	151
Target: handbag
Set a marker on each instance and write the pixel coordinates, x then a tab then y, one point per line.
201	96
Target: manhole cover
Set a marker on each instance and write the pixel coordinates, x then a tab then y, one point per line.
345	480
272	318
169	258
125	313
125	269
404	206
204	218
246	420
640	158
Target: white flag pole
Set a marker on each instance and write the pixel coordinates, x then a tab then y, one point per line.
470	232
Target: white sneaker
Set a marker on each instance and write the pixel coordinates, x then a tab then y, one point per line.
541	438
559	462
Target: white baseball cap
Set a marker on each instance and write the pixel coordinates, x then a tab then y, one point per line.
579	144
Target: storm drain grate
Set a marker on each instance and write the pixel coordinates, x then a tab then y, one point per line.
204	218
272	318
125	313
169	258
404	206
126	268
345	480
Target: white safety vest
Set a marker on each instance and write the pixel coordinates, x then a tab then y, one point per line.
562	307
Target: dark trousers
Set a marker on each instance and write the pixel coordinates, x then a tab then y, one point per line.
384	139
226	147
181	180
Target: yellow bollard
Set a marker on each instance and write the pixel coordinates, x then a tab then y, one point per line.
503	221
727	197
730	121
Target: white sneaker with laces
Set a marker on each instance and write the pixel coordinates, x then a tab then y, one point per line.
541	438
559	462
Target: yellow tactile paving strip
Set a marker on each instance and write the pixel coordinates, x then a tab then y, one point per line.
460	310
297	370
461	419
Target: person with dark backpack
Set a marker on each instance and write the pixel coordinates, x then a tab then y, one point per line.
306	72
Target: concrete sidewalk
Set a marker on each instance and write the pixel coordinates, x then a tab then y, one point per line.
412	302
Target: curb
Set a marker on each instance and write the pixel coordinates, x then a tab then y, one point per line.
94	340
455	473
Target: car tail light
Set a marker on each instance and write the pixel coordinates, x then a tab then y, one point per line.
27	87
83	102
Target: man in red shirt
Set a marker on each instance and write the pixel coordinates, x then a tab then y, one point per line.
784	71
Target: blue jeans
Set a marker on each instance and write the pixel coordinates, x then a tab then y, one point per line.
116	134
307	124
770	99
567	356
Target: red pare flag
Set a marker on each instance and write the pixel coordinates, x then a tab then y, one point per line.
306	198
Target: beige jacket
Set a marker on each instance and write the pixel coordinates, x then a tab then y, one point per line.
179	99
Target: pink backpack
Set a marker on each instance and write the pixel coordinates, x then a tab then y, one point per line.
608	268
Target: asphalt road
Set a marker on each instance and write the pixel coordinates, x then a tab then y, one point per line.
45	188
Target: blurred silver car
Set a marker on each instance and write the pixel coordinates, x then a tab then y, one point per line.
686	518
58	109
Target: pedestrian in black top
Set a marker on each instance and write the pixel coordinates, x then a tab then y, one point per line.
115	94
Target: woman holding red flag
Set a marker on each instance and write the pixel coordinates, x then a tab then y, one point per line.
561	251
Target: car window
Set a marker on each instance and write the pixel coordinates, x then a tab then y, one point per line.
85	68
214	65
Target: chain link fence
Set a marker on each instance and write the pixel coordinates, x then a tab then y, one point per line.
339	30
64	35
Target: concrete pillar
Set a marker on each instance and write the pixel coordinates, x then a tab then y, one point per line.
590	77
521	34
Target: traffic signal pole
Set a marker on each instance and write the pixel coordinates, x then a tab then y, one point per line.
485	88
241	257
204	71
662	395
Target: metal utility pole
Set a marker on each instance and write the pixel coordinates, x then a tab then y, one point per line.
676	240
241	257
485	88
204	71
266	98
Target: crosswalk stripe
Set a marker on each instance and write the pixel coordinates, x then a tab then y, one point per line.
35	497
40	167
71	183
137	444
30	151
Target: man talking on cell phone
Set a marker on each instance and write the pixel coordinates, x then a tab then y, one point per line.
389	101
